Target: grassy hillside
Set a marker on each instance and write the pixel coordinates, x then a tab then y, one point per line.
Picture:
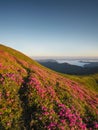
90	81
33	97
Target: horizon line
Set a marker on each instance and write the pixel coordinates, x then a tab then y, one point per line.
73	57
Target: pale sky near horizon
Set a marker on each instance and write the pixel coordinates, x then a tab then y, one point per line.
50	27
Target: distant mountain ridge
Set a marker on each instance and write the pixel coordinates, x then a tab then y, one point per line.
33	97
67	68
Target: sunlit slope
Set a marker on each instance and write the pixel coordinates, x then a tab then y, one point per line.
34	97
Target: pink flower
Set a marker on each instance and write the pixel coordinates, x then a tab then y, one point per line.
44	108
0	113
8	94
46	113
63	121
40	118
8	124
96	125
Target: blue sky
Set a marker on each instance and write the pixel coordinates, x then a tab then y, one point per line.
50	27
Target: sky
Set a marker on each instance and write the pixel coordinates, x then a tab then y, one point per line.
50	27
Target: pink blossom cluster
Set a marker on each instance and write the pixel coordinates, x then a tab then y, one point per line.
83	94
51	123
47	112
73	118
51	92
41	91
52	126
65	117
96	125
14	77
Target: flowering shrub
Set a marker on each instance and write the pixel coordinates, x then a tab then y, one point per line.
33	97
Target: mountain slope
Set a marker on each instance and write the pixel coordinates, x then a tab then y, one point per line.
34	97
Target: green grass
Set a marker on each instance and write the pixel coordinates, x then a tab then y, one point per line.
34	97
